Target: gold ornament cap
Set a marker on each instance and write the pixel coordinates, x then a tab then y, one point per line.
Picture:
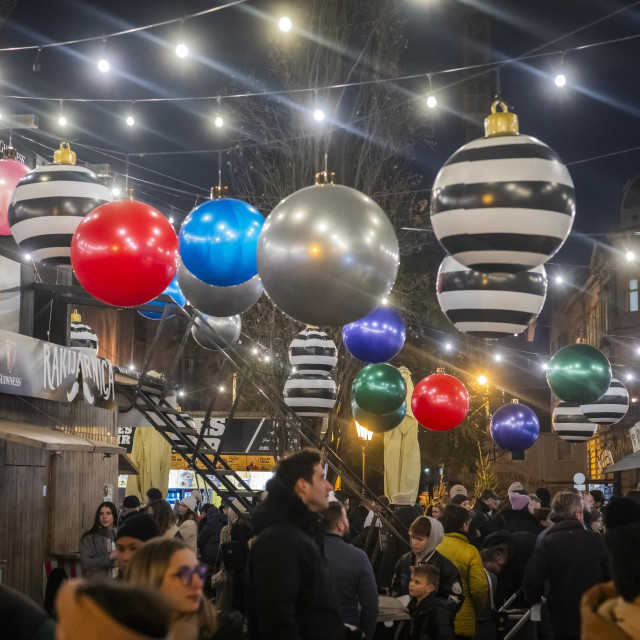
501	123
9	153
515	401
75	316
219	192
64	155
325	177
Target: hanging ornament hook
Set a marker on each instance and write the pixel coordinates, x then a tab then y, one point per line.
504	123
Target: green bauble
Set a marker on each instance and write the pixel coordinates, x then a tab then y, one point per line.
378	423
579	374
379	388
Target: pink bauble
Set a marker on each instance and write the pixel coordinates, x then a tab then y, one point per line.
11	172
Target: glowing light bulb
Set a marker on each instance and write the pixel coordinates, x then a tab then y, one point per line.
497	357
103	65
385	301
432	102
561	80
267	358
170	219
116	192
130	120
27	256
254	351
629	376
482	380
218	121
182	51
448	346
62	121
559	280
221	388
318	115
630	256
545	366
285	24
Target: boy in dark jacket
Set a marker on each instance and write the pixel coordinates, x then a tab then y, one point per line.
430	619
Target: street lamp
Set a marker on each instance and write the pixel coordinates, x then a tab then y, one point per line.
365	437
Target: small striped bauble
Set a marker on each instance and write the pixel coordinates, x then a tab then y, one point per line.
503	203
313	352
48	205
310	396
611	407
570	423
490	305
82	337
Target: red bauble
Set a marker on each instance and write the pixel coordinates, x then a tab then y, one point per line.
11	172
124	253
440	402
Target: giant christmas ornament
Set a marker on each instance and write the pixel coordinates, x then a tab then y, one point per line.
218	241
570	423
514	427
50	202
82	337
611	407
327	255
376	422
124	253
377	337
219	301
490	305
440	402
313	352
222	333
11	172
379	388
504	202
579	374
310	396
173	291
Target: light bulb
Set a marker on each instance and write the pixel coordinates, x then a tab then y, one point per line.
448	346
27	256
630	256
254	351
267	358
638	351
432	102
561	80
170	219
182	51
218	121
385	301
62	121
103	65
497	357
629	376
545	366
131	367
116	192
130	120
285	24
482	380
318	115
559	280
180	393
221	389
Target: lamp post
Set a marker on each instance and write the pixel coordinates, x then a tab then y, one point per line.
365	436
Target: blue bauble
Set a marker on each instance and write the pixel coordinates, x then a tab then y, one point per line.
377	337
514	427
219	241
172	290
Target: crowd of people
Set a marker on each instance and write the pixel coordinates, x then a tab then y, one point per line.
311	564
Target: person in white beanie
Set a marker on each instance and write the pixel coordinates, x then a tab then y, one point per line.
188	521
514	487
457	490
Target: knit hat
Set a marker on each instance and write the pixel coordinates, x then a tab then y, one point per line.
401	499
131	502
459	498
197	495
545	496
515	486
518	501
457	489
142	527
190	502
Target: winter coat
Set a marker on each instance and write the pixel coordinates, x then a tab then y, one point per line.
466	558
570	560
189	532
290	594
354	583
517	520
357	517
209	538
481	523
430	620
95	549
230	595
605	616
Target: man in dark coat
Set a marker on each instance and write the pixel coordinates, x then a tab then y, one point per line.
483	509
291	591
209	538
571	560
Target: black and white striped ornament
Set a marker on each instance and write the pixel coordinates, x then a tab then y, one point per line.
611	407
82	337
503	203
313	352
49	204
310	396
570	423
490	305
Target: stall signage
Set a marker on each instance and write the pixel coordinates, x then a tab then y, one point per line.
30	367
634	434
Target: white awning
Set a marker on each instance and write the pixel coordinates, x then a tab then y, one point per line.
627	463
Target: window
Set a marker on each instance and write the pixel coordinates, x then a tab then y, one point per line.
517	455
564	451
633	295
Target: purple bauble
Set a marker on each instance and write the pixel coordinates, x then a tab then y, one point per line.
377	337
514	427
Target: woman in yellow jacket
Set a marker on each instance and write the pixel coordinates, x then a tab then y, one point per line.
466	558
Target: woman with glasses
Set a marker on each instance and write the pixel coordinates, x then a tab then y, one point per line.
171	566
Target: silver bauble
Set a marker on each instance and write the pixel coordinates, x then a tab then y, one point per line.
218	301
327	254
226	332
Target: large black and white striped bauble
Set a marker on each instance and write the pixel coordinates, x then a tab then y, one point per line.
49	204
503	203
611	407
570	423
313	352
490	305
83	339
310	396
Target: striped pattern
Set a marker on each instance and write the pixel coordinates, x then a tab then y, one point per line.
313	352
47	207
83	338
310	396
611	408
570	424
503	204
490	305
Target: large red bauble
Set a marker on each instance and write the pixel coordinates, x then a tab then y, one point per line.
124	253
440	402
11	172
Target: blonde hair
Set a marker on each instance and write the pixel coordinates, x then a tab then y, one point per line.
149	566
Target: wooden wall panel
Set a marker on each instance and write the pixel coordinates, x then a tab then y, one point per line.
17	454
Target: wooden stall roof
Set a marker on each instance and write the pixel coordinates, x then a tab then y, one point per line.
126	467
